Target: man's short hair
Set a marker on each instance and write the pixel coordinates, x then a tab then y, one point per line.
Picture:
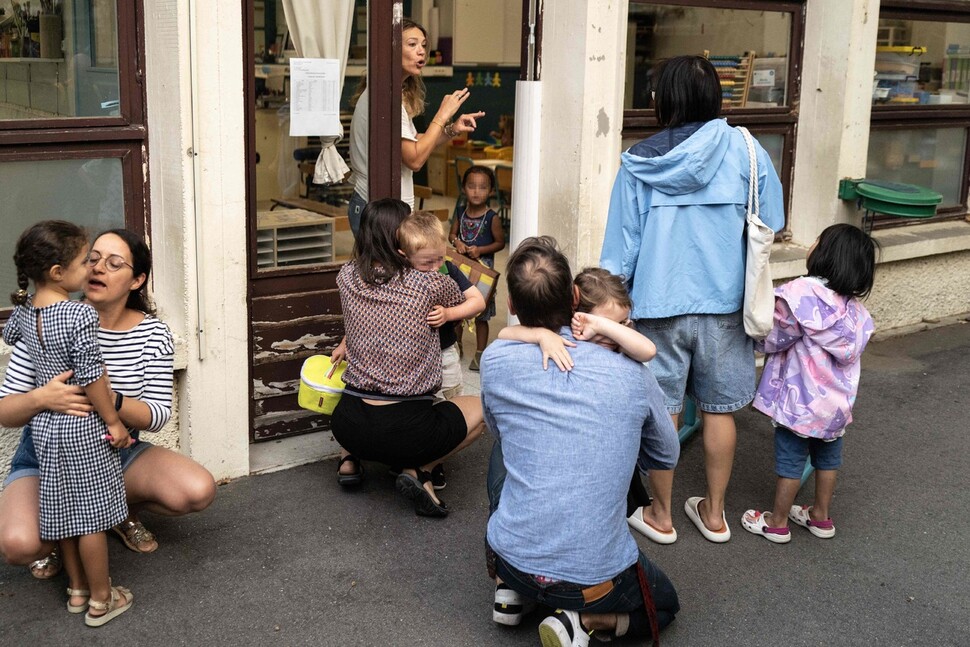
540	284
420	230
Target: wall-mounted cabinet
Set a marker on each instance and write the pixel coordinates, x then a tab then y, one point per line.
487	32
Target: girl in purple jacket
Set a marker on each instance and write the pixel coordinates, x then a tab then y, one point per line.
811	376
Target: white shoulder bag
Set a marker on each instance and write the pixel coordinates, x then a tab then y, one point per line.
759	293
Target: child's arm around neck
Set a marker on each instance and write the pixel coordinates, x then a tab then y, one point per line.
589	327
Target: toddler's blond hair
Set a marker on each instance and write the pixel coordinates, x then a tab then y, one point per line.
420	230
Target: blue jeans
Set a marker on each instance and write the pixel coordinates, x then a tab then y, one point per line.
354	208
791	450
621	594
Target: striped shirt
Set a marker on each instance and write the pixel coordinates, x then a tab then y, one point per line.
139	362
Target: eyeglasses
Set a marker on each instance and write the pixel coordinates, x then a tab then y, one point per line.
112	263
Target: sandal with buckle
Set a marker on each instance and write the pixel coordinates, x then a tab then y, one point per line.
47	567
79	593
111	607
353	479
136	536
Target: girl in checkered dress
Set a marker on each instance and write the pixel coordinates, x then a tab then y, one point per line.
82	493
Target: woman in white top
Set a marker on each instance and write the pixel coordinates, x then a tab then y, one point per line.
416	147
138	353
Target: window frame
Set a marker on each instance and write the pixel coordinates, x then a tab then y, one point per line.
123	136
888	117
641	123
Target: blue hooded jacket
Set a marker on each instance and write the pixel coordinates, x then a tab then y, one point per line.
675	228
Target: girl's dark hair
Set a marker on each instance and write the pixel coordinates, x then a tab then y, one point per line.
597	287
376	247
41	247
687	90
540	284
845	257
141	260
483	170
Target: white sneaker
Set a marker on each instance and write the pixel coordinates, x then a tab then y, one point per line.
510	606
563	629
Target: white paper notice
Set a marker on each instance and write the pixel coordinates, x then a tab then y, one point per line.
314	97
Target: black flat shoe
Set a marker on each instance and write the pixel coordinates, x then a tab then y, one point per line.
413	489
350	480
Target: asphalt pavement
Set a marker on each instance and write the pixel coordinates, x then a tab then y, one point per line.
289	559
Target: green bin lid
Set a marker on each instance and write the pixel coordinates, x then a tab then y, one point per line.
897	199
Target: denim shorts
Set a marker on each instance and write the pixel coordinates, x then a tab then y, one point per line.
356	205
25	462
791	450
708	357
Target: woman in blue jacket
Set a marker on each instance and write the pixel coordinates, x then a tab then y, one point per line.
675	231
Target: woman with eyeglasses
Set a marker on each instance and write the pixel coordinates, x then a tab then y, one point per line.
138	352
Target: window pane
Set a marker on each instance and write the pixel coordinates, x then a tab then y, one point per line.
656	32
87	192
61	65
920	62
930	157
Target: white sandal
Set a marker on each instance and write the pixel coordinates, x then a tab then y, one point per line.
80	593
111	607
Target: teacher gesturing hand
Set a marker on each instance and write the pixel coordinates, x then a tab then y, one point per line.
416	147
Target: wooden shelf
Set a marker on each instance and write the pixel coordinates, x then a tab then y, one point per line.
734	72
288	237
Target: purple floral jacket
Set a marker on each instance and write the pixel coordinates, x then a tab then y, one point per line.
811	375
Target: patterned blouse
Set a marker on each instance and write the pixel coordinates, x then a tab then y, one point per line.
391	349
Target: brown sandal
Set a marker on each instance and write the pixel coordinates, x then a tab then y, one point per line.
111	607
136	536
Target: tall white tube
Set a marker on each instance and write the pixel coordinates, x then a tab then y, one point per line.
525	168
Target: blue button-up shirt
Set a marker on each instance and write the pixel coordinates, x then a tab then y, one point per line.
570	442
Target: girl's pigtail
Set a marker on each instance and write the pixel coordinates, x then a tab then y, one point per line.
19	297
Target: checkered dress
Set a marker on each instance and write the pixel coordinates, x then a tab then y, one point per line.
81	486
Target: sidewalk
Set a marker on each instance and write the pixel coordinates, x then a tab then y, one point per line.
289	559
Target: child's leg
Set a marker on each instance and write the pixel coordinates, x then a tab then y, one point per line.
76	579
459	330
824	490
94	559
827	459
785	492
481	335
791	452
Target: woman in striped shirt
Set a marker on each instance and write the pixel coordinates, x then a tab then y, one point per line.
138	352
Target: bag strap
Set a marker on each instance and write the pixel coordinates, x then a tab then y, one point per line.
648	603
754	207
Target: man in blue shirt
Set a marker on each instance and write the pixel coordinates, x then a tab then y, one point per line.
570	442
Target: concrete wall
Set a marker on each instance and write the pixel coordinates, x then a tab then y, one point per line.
583	69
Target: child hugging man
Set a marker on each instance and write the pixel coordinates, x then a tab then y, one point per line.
422	241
